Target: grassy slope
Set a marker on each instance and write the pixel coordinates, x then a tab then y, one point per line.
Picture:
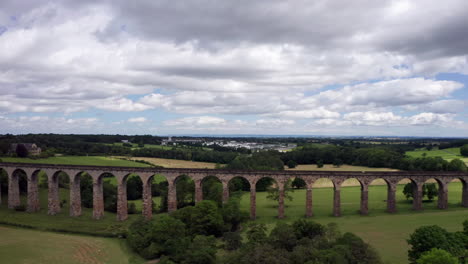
388	233
78	160
447	154
30	246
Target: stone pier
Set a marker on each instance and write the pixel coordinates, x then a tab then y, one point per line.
122	205
98	198
53	200
75	195
33	192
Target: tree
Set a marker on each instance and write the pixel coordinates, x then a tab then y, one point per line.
359	251
283	237
464	150
437	256
273	192
298	183
337	162
202	250
21	151
202	219
292	164
429	190
319	163
151	239
134	188
427	237
457	165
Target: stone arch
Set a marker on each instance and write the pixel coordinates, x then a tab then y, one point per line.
16	178
238	183
356	199
55	180
380	193
261	184
211	188
453	196
441	192
323	191
185	190
34	189
159	192
416	198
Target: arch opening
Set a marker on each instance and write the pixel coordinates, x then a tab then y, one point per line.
322	196
266	197
351	196
212	189
455	192
3	187
185	191
404	194
378	195
159	192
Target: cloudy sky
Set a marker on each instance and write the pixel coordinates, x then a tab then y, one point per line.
235	67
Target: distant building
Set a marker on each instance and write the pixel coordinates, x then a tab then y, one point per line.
125	141
32	148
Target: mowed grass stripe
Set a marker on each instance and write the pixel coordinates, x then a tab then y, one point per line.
18	246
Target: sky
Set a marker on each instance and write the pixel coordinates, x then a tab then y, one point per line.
269	67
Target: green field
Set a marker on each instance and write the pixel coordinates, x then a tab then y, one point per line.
447	154
18	246
386	232
78	160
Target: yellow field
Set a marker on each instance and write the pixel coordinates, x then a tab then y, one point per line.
172	163
330	167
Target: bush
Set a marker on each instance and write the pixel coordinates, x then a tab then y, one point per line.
132	208
20	208
232	240
437	256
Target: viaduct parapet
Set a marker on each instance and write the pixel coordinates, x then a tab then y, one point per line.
74	172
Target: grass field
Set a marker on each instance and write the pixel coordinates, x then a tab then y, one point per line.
78	160
386	232
447	154
18	246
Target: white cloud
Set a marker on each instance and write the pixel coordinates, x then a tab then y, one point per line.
137	120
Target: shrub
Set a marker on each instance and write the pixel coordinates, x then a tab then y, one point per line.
437	256
20	208
132	208
232	240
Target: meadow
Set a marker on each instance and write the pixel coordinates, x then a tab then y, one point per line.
447	154
18	246
386	232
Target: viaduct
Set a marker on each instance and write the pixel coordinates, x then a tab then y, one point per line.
198	175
